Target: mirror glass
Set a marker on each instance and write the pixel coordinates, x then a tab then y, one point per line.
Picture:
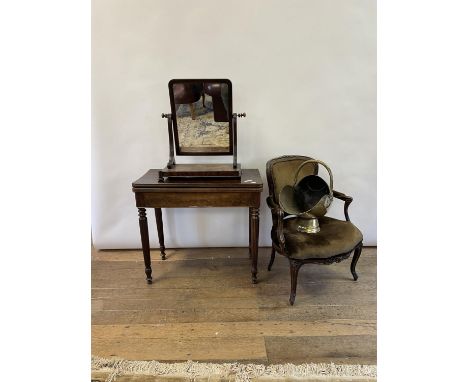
201	112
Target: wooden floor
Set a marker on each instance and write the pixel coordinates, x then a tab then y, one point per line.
202	306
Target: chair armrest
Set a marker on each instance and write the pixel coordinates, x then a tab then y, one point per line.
347	199
277	229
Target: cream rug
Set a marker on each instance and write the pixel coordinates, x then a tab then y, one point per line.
198	371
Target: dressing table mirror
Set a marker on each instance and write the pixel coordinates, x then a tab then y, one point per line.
201	123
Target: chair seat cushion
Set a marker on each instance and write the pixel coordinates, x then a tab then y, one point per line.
335	237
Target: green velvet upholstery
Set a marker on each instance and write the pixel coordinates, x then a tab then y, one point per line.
335	237
281	171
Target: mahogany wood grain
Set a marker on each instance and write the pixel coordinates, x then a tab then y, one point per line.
196	198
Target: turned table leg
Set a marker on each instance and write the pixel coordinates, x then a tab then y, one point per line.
159	225
253	217
250	237
145	243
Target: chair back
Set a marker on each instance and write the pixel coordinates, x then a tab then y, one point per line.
280	172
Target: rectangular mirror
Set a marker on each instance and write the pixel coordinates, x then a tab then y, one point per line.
201	112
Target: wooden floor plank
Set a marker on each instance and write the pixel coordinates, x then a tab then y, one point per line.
241	279
171	254
184	315
237	329
148	304
230	277
180	315
196	349
302	312
330	293
150	293
195	253
359	349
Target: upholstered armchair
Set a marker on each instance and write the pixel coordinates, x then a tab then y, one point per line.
336	240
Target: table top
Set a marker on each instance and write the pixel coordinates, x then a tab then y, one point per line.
250	179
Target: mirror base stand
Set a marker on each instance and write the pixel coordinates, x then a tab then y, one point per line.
200	170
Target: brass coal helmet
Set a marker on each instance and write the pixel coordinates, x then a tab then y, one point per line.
308	199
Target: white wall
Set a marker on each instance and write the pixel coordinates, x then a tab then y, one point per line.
304	71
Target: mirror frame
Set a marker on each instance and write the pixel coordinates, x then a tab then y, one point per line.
174	117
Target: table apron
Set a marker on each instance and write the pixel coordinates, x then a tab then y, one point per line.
169	199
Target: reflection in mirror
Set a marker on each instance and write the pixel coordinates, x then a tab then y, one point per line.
202	116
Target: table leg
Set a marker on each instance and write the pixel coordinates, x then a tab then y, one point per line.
250	237
159	225
145	243
253	217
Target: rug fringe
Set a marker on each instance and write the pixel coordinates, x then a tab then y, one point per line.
241	372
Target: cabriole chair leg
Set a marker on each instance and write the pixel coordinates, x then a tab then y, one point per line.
357	253
294	267
272	258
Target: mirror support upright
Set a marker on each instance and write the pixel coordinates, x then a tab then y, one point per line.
234	137
171	162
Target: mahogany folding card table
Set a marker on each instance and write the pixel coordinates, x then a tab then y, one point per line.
153	191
